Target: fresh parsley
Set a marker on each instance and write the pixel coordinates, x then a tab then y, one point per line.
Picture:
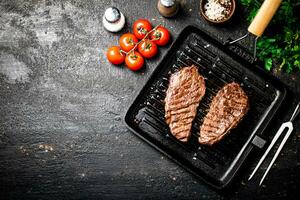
280	45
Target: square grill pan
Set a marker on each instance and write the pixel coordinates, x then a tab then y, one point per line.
219	65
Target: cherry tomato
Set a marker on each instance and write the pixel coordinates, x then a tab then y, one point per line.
127	41
148	49
141	27
134	61
160	36
115	56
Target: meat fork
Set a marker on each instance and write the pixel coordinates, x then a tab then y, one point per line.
289	126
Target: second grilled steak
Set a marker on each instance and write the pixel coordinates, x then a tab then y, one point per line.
186	89
226	110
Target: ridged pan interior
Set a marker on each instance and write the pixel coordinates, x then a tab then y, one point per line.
146	116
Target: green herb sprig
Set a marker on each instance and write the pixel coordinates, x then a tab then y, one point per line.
280	45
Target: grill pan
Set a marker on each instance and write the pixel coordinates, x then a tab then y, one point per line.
218	64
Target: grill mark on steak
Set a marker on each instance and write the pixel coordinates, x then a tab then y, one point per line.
230	113
227	109
188	116
186	89
182	126
241	102
181	100
180	107
181	131
211	125
182	110
175	113
180	96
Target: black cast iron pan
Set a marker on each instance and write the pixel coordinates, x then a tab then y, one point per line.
219	64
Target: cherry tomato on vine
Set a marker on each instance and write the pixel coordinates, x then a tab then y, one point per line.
160	36
147	48
115	56
127	41
134	61
141	27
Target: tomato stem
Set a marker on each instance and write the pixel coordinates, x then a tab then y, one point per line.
154	39
136	44
122	51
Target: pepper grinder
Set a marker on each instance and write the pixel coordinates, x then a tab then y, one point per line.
113	19
167	8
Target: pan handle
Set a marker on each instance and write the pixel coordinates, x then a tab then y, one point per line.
263	17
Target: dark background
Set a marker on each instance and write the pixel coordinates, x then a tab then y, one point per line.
62	105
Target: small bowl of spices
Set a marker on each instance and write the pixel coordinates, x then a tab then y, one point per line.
217	11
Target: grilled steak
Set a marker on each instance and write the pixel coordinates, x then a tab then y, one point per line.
226	110
186	89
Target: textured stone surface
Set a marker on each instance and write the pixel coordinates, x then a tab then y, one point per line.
61	108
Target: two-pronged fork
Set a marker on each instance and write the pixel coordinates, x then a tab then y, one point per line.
289	126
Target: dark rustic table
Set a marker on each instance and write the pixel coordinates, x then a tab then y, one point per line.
62	134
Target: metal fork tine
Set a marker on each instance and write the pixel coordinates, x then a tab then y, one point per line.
277	135
288	125
296	112
290	129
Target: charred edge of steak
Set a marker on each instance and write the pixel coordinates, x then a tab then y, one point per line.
226	111
186	89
